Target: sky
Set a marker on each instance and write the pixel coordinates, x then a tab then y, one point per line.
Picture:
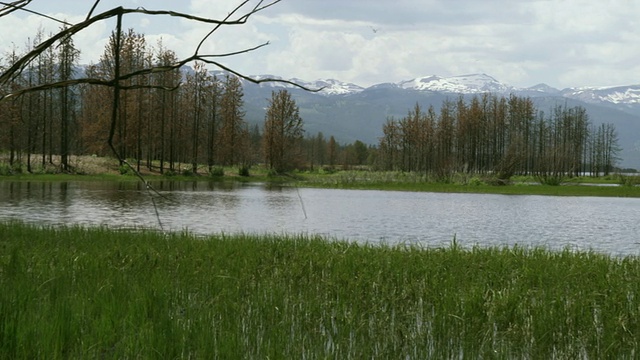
563	43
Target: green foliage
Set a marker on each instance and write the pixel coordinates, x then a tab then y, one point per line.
16	169
628	180
243	171
5	169
99	293
328	170
217	171
550	179
170	173
125	169
272	173
476	181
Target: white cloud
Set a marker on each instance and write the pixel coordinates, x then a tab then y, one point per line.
563	43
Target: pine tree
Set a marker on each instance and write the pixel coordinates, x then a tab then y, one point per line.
282	132
233	125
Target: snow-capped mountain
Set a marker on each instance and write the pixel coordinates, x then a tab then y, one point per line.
629	95
328	86
335	87
463	84
469	84
542	89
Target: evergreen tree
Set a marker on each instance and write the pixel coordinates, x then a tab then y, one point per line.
233	125
282	132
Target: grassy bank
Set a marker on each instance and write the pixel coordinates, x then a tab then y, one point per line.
367	180
98	293
108	169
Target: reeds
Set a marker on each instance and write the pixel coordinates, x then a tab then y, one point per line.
98	293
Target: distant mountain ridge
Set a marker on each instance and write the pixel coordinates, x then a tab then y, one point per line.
351	112
474	84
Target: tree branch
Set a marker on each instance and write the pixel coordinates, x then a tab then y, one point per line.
31	11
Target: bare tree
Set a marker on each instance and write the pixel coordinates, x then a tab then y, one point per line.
117	82
122	79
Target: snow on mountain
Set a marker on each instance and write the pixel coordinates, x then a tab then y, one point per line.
616	94
335	87
463	84
543	89
328	86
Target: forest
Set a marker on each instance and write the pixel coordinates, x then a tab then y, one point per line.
165	118
188	121
501	136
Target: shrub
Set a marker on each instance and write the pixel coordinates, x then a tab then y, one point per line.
5	169
475	181
628	180
243	171
125	169
550	179
217	171
328	170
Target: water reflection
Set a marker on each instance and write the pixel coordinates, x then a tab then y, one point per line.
430	219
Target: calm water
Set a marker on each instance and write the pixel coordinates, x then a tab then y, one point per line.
603	224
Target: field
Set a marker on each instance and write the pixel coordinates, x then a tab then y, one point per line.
72	292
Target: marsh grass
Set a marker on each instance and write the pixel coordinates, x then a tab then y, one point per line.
96	293
460	183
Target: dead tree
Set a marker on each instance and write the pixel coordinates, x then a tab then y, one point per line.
237	17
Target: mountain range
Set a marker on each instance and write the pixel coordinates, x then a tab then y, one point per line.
351	112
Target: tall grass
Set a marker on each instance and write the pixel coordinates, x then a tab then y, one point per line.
459	183
97	293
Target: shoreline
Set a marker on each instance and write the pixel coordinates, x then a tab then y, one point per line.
107	169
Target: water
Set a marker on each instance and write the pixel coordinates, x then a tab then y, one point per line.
607	225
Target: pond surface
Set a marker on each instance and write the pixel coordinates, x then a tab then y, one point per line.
609	225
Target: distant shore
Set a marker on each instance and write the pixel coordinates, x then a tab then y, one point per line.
92	168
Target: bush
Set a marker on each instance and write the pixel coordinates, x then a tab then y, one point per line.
243	171
217	171
15	169
125	169
475	181
5	169
628	180
552	179
328	170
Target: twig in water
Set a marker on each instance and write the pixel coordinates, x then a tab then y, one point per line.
304	211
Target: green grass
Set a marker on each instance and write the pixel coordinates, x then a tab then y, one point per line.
395	181
376	180
72	292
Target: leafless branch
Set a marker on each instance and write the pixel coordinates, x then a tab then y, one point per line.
8	8
116	82
119	12
8	5
93	8
197	51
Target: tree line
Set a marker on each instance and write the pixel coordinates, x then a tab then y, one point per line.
498	135
165	119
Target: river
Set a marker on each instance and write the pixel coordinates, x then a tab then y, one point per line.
608	225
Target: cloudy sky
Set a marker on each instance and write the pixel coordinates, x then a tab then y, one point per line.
563	43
